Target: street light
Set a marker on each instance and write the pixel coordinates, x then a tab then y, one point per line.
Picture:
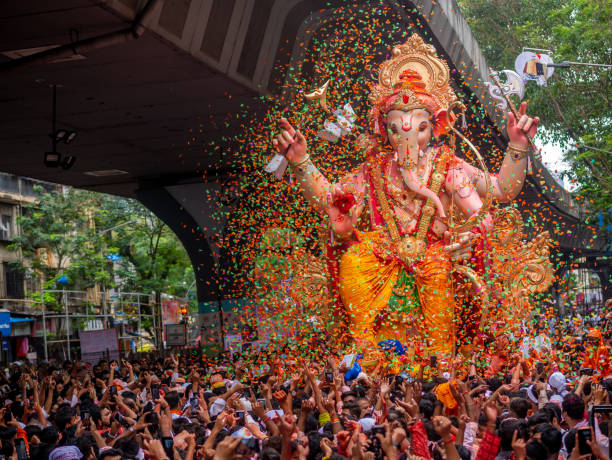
568	64
53	159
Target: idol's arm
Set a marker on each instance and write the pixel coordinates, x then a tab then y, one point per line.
507	184
511	177
317	190
313	184
293	145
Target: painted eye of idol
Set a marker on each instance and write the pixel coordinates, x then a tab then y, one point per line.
394	128
423	126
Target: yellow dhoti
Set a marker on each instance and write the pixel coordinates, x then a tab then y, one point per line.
370	279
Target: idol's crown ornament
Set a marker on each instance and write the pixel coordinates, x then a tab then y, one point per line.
413	78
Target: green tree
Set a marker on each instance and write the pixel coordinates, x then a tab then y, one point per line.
72	232
575	107
151	256
57	237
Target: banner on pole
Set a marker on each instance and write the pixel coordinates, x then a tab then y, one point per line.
176	335
97	345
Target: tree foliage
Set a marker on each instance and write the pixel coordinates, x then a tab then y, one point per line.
575	107
56	237
151	256
74	233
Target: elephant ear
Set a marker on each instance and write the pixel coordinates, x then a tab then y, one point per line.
441	118
377	124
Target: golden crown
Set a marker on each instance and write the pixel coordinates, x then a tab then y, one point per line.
414	56
407	101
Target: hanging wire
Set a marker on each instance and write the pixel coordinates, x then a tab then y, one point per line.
584	146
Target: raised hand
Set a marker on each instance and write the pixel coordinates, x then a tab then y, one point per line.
504	400
442	425
295	380
154	449
523	129
329	405
291	141
385	388
478	389
286	425
386	442
410	406
308	405
519	446
226	449
326	446
258	409
575	454
597	452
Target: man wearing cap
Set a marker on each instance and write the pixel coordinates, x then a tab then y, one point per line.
66	453
558	382
219	388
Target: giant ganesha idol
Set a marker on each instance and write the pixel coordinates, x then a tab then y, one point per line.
396	262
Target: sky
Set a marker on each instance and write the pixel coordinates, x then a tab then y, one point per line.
552	157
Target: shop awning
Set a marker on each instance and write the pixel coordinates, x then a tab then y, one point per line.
21	320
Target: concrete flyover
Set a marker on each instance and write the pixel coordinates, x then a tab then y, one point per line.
137	77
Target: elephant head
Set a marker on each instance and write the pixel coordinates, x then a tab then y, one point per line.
410	133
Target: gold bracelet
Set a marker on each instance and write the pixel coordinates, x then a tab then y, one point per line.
304	169
300	163
518	152
519	148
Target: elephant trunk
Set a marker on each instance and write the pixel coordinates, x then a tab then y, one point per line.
414	184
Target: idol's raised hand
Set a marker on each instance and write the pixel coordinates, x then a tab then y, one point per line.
292	139
519	132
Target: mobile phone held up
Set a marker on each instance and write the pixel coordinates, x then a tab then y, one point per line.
168	445
20	447
584	435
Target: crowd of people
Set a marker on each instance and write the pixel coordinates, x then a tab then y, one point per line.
502	403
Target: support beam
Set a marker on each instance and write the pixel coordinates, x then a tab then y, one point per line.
161	202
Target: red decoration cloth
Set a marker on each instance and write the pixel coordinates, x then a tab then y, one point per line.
489	446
